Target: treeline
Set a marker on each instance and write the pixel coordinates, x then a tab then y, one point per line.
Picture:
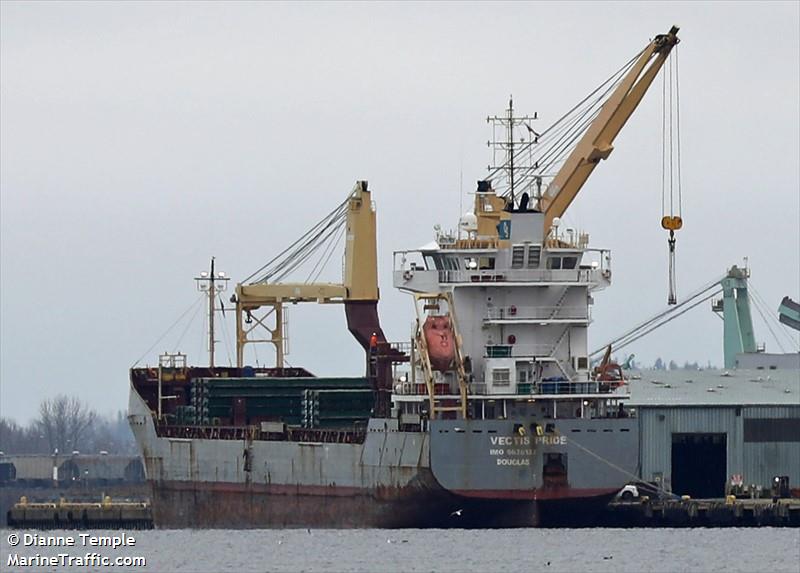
672	365
630	363
66	424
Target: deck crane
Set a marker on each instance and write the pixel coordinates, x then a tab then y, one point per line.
594	130
582	138
358	292
598	141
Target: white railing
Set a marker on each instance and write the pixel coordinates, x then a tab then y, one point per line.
542	387
537	312
421	389
409	269
479	388
519	275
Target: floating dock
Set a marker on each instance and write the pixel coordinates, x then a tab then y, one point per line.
78	515
705	513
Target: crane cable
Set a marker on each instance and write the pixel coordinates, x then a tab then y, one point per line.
671	192
552	144
303	247
661	318
173	325
670	318
763	310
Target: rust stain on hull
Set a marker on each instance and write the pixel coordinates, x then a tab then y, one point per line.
239	506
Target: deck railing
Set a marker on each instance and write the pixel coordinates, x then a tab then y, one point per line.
518	275
537	313
249	433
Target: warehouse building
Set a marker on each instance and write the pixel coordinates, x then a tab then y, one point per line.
42	470
701	429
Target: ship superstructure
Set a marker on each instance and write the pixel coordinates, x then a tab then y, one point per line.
516	306
488	416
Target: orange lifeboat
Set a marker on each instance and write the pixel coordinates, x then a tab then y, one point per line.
438	331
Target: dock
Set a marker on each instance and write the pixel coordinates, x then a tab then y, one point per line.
728	512
63	514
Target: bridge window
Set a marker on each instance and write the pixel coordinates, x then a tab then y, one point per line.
451	263
569	262
433	262
554	263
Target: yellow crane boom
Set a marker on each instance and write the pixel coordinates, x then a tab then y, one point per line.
598	141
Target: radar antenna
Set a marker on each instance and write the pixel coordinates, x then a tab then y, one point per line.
504	147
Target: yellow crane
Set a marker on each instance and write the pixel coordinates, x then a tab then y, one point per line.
597	142
358	291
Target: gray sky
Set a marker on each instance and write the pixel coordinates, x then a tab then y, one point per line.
139	139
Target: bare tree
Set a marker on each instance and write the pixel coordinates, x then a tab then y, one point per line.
16	439
113	434
64	421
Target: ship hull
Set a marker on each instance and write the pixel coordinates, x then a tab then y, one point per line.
179	505
453	475
240	506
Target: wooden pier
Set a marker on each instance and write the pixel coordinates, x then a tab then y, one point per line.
63	514
729	512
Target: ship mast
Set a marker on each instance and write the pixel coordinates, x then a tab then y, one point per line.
507	146
511	147
212	283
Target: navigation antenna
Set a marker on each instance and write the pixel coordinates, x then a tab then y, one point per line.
212	284
505	147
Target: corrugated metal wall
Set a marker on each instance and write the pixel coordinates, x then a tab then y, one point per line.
771	411
758	462
765	460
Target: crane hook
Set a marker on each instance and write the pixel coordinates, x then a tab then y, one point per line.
672	297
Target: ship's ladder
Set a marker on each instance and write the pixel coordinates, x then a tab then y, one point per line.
565	367
430	301
559	303
559	340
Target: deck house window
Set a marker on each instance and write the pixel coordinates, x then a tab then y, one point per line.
517	256
534	256
485	263
501	377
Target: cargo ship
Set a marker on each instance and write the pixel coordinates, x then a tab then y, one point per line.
490	415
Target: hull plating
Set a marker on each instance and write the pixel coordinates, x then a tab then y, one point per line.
453	476
223	505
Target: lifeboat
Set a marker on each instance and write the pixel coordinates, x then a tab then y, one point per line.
438	331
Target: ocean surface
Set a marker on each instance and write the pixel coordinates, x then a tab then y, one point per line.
370	550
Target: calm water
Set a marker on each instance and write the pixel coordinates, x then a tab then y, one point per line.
370	550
